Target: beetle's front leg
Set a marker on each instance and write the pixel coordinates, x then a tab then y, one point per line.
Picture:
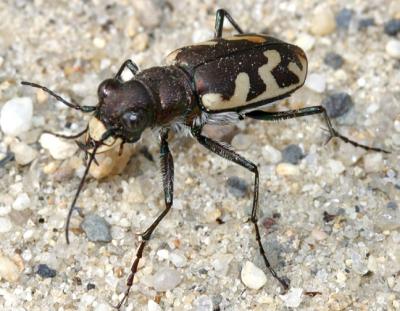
219	23
126	64
167	171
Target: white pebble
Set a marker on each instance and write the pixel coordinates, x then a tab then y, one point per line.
373	162
316	82
287	169
393	48
305	41
153	306
16	116
99	43
22	202
5	224
397	123
323	21
163	254
8	269
293	298
24	154
336	166
252	276
166	279
179	260
271	155
58	148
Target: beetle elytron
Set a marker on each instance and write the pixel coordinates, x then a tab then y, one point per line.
218	81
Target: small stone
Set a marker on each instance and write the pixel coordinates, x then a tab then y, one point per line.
163	254
337	104
99	43
392	27
221	263
252	276
393	48
366	23
323	21
287	169
140	42
292	154
388	219
96	228
203	303
343	18
23	153
5	224
16	116
316	82
166	279
90	286
293	298
397	123
318	234
392	205
271	155
9	270
220	132
341	277
306	42
153	306
45	271
336	166
359	263
22	202
59	149
237	186
242	142
179	260
333	60
142	9
373	162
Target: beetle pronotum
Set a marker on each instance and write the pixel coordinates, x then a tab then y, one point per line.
218	81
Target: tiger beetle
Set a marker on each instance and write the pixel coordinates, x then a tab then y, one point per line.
223	80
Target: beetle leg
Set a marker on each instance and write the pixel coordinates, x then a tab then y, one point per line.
224	151
290	114
219	23
127	64
167	170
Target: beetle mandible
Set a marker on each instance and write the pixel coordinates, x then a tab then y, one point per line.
218	81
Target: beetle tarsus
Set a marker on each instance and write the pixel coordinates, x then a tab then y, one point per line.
219	22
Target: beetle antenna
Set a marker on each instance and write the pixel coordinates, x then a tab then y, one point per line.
59	98
73	136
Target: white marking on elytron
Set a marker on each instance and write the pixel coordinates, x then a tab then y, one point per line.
273	89
214	101
251	38
171	57
96	131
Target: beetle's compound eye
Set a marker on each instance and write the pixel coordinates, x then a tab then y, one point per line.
134	121
107	87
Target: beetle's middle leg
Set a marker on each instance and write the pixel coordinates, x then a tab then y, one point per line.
219	23
127	64
290	114
225	152
167	171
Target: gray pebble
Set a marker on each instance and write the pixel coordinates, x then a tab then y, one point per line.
366	22
166	279
96	228
392	27
343	18
45	271
292	154
392	205
237	186
333	60
337	104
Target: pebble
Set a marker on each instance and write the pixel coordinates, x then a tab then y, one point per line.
220	132
143	8
242	141
388	219
16	116
221	263
373	162
9	270
293	298
252	276
179	260
153	306
393	48
96	228
23	153
333	60
203	303
292	154
316	82
337	104
323	21
5	224
359	263
343	18
59	149
335	166
140	42
45	271
392	205
306	42
271	155
166	279
22	202
237	186
366	22
392	27
287	169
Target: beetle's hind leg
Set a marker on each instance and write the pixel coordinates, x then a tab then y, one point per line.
290	114
225	152
219	23
167	171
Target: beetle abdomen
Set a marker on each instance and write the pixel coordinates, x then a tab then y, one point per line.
243	71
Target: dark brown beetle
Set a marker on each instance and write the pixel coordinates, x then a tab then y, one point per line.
218	81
